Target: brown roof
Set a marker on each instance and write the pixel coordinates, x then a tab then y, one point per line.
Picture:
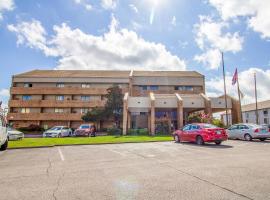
105	73
75	73
168	73
252	106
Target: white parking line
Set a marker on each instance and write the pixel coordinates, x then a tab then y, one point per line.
61	154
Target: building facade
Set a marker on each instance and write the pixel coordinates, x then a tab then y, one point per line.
61	97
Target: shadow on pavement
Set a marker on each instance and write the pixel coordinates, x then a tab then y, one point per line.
207	145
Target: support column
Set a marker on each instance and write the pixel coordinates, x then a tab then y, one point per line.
153	114
208	108
180	113
125	114
129	120
149	121
235	111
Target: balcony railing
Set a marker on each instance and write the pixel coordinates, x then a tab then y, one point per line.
56	104
44	116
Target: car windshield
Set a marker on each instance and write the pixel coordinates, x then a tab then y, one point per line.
84	127
55	128
254	126
209	126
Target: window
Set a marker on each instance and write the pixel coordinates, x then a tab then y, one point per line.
186	128
27	85
85	85
85	98
153	87
242	127
25	110
143	87
84	110
183	88
247	115
234	127
195	127
60	98
265	112
26	97
58	110
143	113
265	120
60	85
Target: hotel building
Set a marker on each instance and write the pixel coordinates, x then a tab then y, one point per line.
60	97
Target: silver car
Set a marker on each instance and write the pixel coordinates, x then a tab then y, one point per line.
248	132
13	134
58	131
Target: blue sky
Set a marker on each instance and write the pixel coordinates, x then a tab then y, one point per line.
132	34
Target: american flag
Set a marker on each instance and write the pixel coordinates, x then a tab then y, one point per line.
235	77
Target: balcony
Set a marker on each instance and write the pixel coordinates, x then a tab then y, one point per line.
44	116
56	104
58	91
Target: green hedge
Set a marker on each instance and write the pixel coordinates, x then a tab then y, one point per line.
139	131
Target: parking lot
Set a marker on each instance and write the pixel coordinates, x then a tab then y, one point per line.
161	170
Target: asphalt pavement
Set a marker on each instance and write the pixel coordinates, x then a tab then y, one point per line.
160	170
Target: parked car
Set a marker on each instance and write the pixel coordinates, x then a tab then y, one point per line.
3	134
200	133
14	134
85	130
248	132
58	131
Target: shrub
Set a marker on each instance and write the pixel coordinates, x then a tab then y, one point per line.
139	131
114	131
218	122
31	128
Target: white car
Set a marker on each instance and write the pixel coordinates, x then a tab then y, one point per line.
13	134
3	134
58	131
248	132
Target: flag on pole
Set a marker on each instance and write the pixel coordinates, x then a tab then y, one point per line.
235	77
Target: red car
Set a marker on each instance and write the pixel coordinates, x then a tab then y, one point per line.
201	133
85	130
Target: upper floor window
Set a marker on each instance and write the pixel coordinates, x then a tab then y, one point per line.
85	85
84	110
60	98
25	110
85	98
26	97
27	85
153	87
143	87
58	110
265	112
183	88
60	85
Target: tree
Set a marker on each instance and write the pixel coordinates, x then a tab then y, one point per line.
114	104
95	115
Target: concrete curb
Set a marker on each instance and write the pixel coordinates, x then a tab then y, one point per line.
107	143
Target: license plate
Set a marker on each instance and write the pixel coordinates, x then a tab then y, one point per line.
263	131
218	132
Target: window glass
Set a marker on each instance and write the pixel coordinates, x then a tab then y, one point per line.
85	98
186	128
234	127
84	110
265	112
143	87
25	110
27	85
242	127
209	126
59	110
85	85
153	87
60	85
26	97
195	127
85	127
60	98
183	88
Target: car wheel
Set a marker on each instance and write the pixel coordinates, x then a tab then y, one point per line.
262	139
248	137
176	138
4	146
218	142
199	140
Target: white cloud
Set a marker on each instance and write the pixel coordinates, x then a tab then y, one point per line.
85	4
108	4
211	38
4	95
116	49
134	8
246	82
211	58
4	92
173	21
5	5
256	12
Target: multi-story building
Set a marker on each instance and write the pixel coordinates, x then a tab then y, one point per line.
60	97
249	112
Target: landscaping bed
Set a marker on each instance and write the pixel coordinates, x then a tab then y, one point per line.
49	142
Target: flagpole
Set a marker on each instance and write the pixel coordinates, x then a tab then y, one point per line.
239	97
225	92
256	100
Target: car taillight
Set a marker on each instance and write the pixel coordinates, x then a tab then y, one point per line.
256	130
269	130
